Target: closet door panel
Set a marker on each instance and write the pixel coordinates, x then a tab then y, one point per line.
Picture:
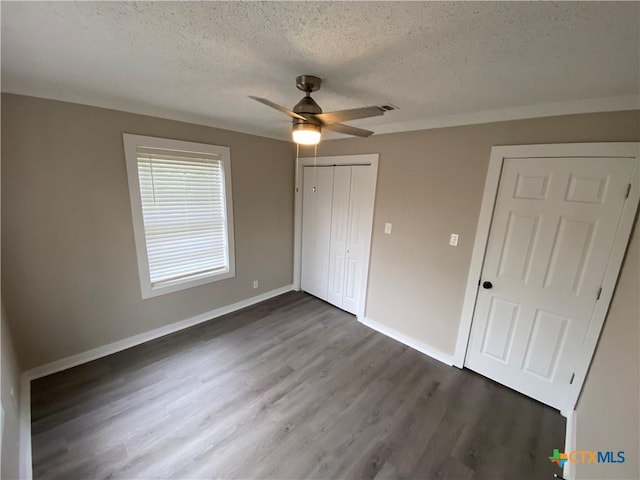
316	230
360	221
339	233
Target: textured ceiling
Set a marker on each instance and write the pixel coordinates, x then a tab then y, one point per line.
437	61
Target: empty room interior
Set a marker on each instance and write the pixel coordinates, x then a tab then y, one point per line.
337	240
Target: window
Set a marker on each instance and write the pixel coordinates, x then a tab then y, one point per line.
182	213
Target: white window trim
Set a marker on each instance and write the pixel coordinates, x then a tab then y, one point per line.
131	142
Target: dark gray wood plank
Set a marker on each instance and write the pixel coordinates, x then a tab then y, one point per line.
289	388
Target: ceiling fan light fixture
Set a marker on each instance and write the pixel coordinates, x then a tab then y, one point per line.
309	119
306	133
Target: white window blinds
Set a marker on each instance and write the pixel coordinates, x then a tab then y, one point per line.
184	214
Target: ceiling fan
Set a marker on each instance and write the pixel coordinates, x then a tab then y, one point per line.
309	120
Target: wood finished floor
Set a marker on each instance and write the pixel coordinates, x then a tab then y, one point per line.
289	388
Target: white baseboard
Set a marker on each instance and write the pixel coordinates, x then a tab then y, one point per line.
568	470
407	340
26	469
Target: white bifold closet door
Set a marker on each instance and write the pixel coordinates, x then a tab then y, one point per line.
337	217
317	196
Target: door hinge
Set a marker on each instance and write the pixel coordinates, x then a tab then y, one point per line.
599	293
628	191
572	377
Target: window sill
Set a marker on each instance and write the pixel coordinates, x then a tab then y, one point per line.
149	292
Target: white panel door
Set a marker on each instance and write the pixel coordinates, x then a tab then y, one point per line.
552	232
317	192
360	222
339	231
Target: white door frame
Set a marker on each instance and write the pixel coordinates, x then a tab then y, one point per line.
364	159
498	154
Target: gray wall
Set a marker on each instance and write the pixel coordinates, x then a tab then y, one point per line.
10	372
608	413
70	279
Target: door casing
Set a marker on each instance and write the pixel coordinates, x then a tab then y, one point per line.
498	154
370	159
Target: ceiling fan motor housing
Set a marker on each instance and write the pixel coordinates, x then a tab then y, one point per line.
307	105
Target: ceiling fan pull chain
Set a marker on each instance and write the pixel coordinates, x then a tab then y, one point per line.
315	167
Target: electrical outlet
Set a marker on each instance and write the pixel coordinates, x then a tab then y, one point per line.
453	240
255	284
387	228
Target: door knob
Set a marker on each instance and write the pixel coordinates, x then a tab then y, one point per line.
487	285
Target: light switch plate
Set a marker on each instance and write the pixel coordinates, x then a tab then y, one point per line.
453	240
387	228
